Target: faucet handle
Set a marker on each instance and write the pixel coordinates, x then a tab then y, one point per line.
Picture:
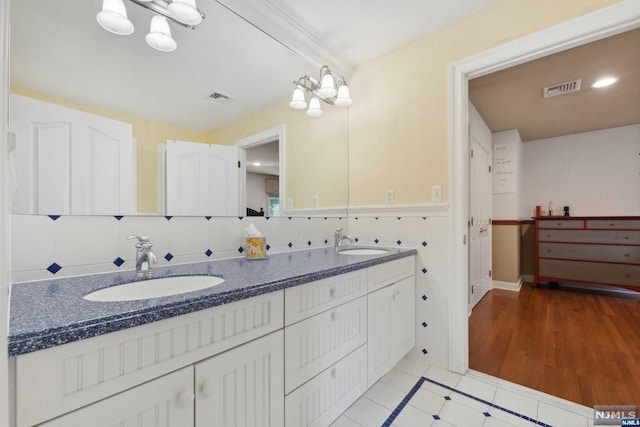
141	239
339	231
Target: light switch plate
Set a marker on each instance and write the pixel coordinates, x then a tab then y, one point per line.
388	197
436	194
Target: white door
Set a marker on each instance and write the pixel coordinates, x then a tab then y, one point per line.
243	386
480	200
71	162
202	179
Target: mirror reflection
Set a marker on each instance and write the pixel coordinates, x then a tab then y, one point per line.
104	123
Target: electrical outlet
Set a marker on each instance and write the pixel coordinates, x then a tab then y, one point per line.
388	197
289	203
315	201
436	194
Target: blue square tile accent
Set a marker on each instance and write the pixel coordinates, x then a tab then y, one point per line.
309	243
209	252
424	297
424	243
435	417
326	241
289	218
118	217
208	218
424	351
424	271
54	268
424	217
240	249
377	241
267	218
399	218
240	218
486	414
447	398
168	256
399	242
118	261
168	218
424	324
376	218
268	247
54	217
356	240
356	218
290	244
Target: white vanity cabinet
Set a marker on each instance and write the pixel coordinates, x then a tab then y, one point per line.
391	327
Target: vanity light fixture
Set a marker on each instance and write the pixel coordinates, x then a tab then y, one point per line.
327	89
604	82
113	18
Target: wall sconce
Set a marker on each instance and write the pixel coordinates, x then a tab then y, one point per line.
113	18
327	89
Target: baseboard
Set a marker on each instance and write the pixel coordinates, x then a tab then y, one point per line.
509	286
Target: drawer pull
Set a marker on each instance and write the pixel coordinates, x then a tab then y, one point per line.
626	237
185	398
628	276
334	316
334	373
207	389
396	295
548	250
627	255
548	235
332	292
559	223
612	225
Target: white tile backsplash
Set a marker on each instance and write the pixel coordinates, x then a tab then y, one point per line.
85	240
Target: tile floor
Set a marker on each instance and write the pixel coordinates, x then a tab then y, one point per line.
414	394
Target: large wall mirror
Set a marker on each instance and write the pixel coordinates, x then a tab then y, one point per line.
227	84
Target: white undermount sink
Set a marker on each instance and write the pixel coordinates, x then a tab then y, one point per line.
362	251
154	288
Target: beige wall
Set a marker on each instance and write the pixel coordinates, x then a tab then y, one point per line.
528	249
316	156
505	253
148	134
398	121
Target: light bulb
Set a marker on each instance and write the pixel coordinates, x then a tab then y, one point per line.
604	82
159	36
314	108
113	18
327	87
343	99
185	11
297	101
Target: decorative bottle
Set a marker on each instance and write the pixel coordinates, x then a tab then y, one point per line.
550	208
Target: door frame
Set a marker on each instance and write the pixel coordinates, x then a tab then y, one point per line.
276	133
594	26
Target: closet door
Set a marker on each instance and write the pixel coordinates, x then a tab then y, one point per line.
71	162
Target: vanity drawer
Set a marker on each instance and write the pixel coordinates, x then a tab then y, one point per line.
385	274
604	253
561	223
613	224
60	379
590	236
595	272
316	343
304	301
322	399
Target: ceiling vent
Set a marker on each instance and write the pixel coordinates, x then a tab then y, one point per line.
562	88
218	97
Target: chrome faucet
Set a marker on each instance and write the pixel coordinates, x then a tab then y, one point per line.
145	258
339	238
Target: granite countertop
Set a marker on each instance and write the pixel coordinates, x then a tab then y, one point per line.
52	312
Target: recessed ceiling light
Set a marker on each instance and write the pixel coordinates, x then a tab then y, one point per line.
257	164
604	82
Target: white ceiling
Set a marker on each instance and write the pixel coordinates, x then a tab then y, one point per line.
59	49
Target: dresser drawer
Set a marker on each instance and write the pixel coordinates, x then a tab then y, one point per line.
596	272
385	274
301	302
561	223
614	224
321	400
618	237
316	343
588	252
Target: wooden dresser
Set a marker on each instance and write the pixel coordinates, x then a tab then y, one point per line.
602	250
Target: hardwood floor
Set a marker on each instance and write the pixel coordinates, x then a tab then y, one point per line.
583	347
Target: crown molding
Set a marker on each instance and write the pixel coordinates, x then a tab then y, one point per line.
265	16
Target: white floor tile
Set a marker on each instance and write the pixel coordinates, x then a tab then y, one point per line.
427	401
412	366
495	422
400	380
345	421
459	415
443	376
413	417
367	413
440	391
476	388
385	395
516	402
555	416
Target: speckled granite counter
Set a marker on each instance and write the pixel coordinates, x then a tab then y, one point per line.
47	313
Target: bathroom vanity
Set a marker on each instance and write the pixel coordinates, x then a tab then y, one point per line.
293	340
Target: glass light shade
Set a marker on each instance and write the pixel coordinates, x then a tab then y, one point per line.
343	99
113	18
159	36
185	11
297	101
327	87
604	82
314	108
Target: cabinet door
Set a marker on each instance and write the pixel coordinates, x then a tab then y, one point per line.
243	387
391	327
164	402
